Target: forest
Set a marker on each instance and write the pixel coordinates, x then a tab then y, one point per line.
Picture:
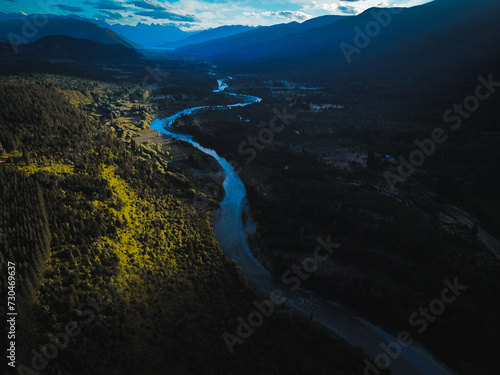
107	244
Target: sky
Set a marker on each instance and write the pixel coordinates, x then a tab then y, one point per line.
200	14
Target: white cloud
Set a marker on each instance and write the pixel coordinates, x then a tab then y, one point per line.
352	7
290	15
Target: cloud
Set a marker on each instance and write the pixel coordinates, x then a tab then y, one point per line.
106	5
69	8
107	15
325	7
149	4
288	14
186	25
181	24
164	15
321	7
346	9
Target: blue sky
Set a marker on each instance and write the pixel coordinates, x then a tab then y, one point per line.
199	14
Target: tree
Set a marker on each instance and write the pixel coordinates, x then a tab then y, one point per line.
26	156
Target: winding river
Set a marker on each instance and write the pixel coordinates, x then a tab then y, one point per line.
230	233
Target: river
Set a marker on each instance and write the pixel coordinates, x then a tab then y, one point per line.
230	233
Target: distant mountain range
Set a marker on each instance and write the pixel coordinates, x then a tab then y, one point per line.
139	36
207	35
14	30
445	37
11	16
149	36
259	36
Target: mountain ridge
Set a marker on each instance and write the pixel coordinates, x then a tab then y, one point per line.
253	37
62	47
15	30
316	54
207	35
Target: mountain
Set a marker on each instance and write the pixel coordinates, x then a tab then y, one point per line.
139	36
150	35
444	37
207	35
61	47
11	16
19	15
16	31
254	37
319	22
96	21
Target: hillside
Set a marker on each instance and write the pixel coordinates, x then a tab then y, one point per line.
207	35
12	30
149	36
220	47
66	48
